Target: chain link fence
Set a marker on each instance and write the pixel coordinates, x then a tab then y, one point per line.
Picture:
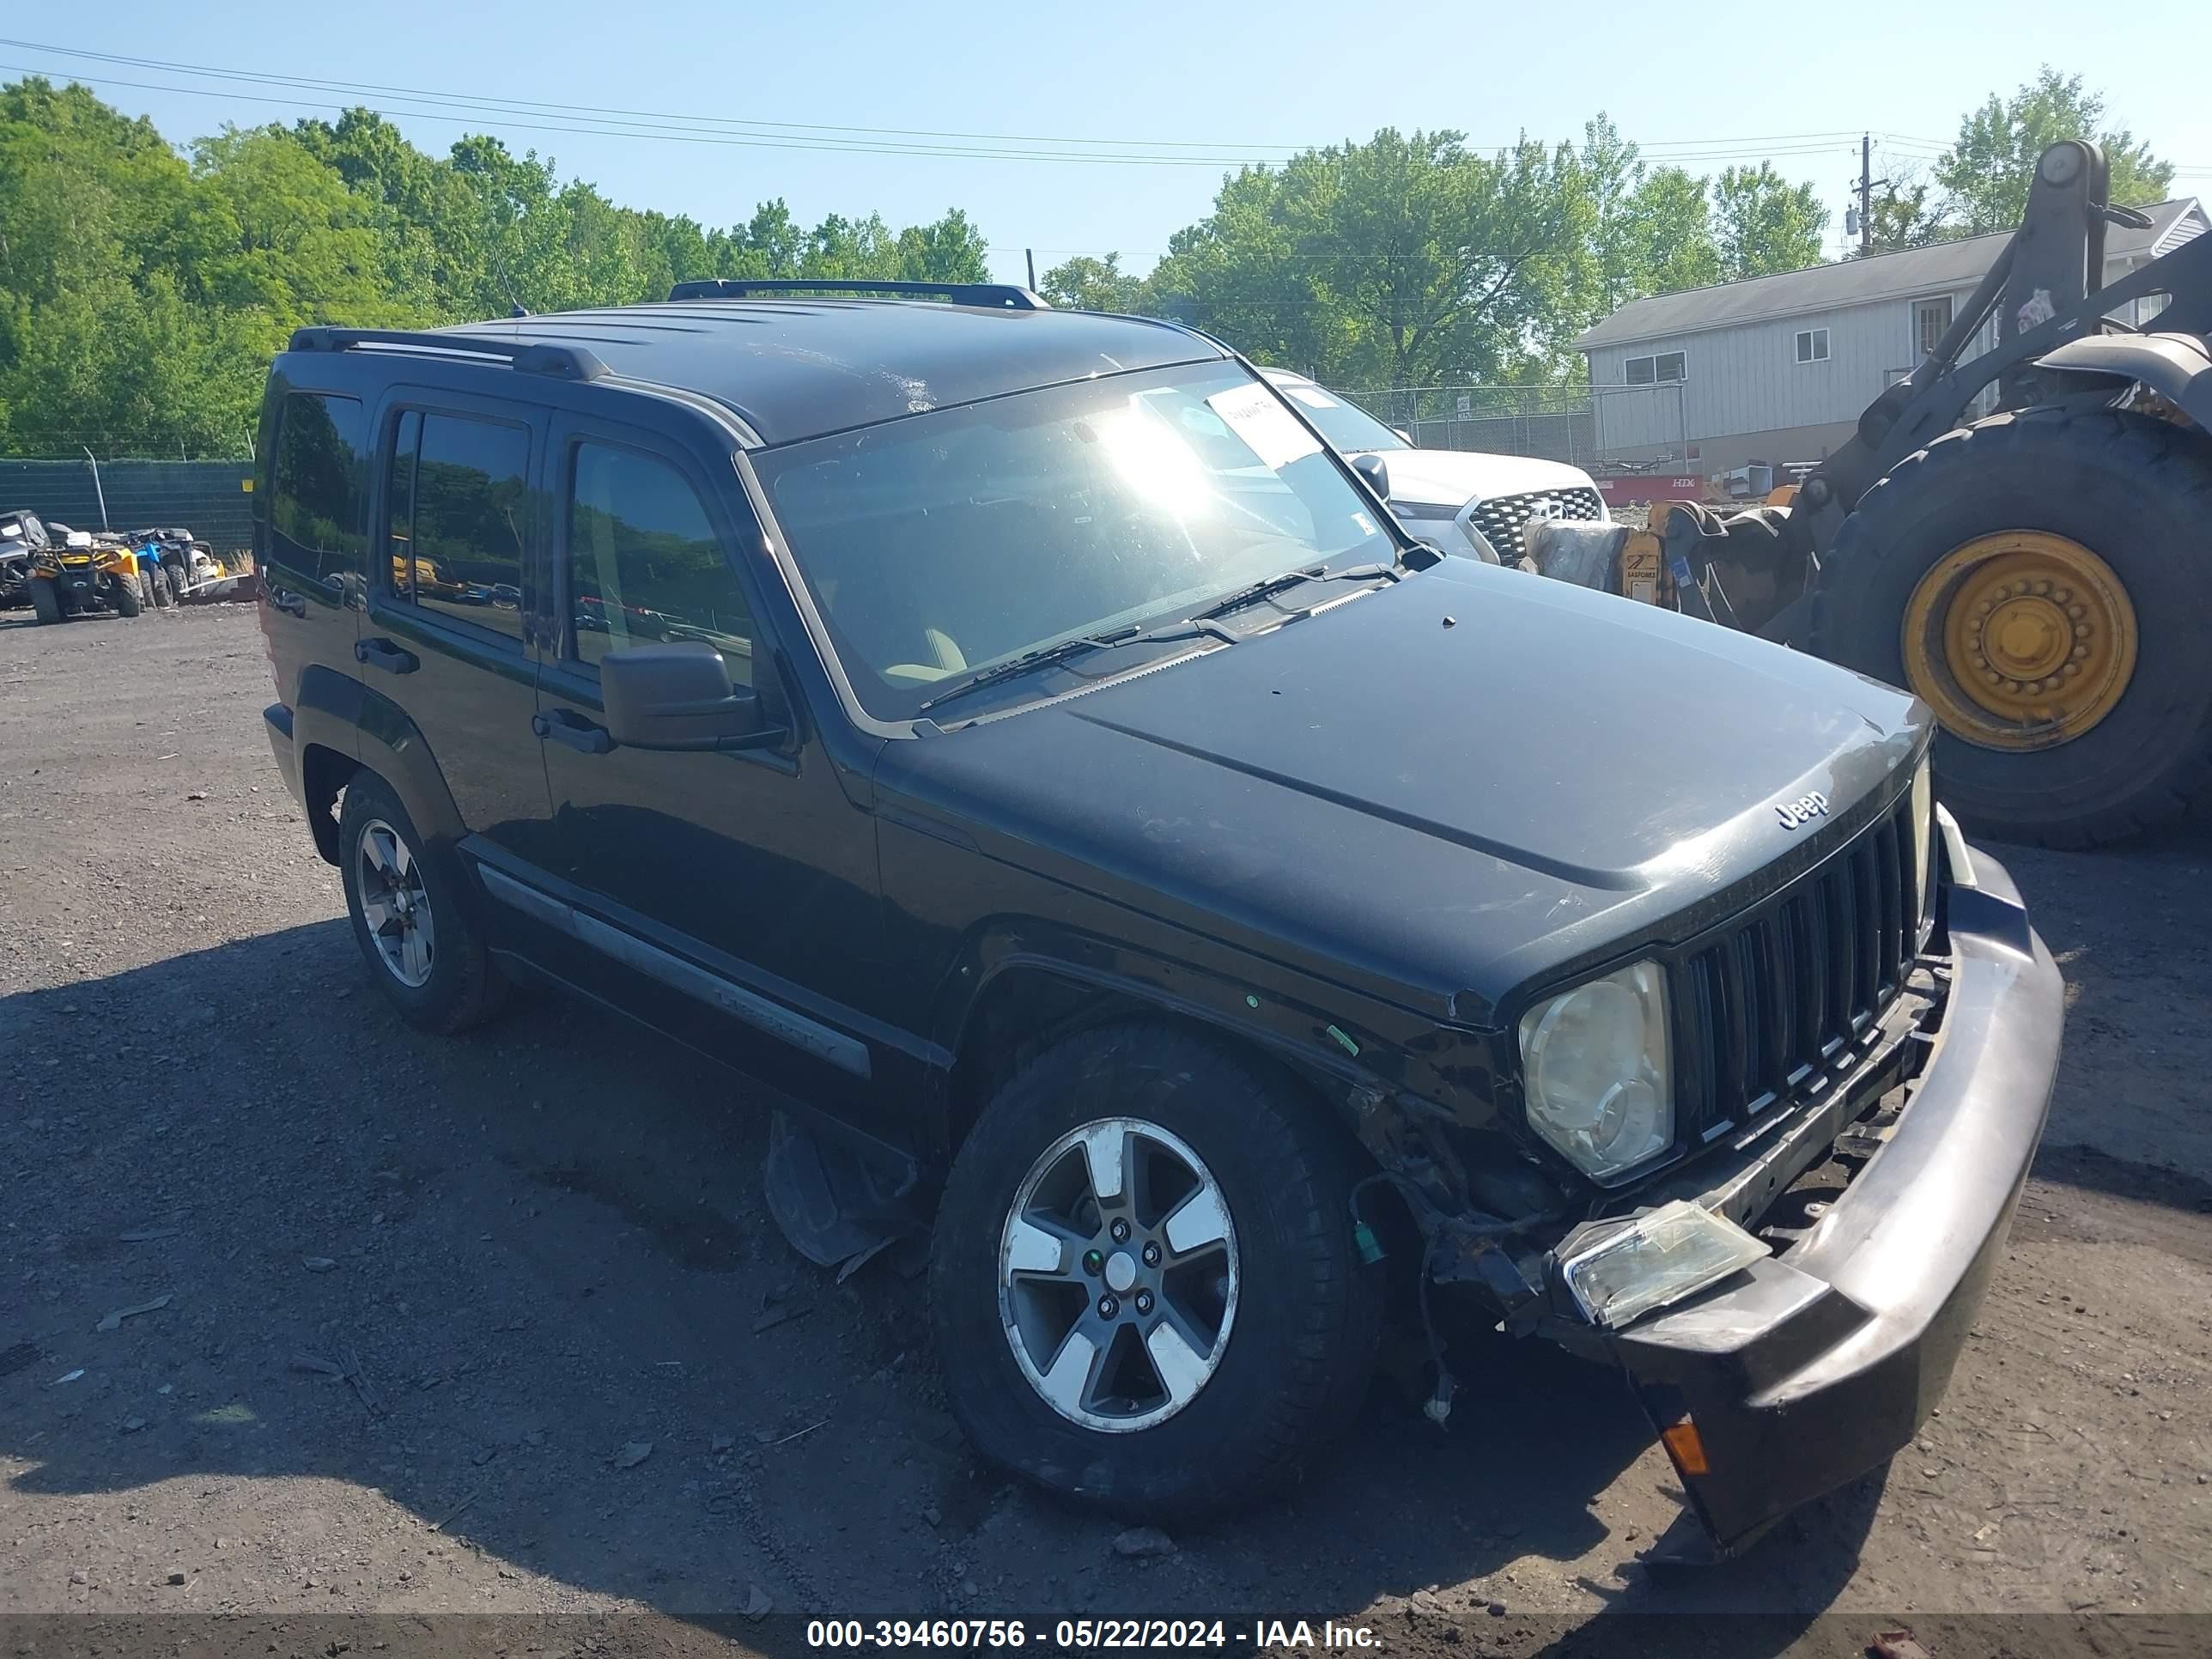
212	499
1599	427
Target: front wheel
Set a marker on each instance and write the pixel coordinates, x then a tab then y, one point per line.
46	600
125	592
2038	580
1144	1282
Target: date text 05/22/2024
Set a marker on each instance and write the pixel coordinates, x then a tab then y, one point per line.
1260	1634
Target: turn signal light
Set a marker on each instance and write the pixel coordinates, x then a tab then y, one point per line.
1684	1446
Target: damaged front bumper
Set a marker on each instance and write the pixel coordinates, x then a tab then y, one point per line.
1811	1367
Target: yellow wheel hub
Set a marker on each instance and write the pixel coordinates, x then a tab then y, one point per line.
2022	640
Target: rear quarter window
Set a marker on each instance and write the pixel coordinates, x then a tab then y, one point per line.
316	496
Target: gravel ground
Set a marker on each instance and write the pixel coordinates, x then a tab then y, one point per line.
499	1324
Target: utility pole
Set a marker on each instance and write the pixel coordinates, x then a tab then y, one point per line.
1866	192
1866	185
1029	253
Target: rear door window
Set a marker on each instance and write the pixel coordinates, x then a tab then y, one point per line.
460	518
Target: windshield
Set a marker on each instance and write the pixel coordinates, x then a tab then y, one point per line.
948	543
1352	431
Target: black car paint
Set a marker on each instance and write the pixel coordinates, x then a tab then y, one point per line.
1313	840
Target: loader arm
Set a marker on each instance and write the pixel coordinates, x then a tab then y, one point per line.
2044	272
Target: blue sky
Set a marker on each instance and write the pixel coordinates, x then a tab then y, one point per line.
1707	85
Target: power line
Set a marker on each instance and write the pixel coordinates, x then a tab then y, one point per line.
588	120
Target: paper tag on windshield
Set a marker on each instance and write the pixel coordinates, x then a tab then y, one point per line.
1269	430
1311	395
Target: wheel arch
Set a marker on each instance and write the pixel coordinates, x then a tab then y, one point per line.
343	727
1027	996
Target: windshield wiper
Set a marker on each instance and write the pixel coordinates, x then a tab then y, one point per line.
1060	651
1271	586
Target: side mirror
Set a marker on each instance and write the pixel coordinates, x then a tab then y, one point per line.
1370	468
679	696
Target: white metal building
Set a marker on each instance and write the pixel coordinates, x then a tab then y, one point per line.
1776	369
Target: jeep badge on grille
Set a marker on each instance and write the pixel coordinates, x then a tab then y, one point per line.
1796	813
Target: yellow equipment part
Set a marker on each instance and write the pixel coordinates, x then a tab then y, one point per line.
2022	640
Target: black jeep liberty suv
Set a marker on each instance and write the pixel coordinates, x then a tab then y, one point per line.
1015	739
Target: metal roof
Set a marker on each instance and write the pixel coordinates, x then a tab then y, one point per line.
797	368
1942	267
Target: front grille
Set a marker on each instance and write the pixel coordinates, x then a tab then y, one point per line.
1787	994
1501	521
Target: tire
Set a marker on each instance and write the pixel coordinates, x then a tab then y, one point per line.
45	600
158	579
125	594
1296	1353
458	986
2134	492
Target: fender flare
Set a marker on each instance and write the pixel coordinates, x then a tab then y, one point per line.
338	712
1331	1047
2175	365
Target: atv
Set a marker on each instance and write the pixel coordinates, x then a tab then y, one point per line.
75	577
22	534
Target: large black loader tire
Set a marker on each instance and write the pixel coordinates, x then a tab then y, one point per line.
2106	517
1028	1255
46	600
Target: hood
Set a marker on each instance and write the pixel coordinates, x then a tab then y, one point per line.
1452	477
1448	786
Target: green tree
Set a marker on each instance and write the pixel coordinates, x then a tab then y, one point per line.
1985	174
1402	260
947	250
276	232
1671	215
1901	216
1084	283
1651	230
1763	224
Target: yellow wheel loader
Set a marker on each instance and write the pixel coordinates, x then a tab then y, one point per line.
2042	578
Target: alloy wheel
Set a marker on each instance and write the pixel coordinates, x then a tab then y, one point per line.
394	904
1118	1275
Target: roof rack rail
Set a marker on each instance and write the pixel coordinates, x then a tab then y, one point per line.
1003	296
562	362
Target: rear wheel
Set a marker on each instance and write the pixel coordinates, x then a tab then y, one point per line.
423	947
2039	580
45	600
1143	1283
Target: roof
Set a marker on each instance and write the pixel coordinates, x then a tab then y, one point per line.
797	368
1944	266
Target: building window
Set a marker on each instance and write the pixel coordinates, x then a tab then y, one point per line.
1931	320
1812	346
1668	367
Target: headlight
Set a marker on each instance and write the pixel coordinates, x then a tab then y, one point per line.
1595	1063
1923	837
1427	511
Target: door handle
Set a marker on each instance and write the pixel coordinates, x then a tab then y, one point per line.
578	734
382	653
291	604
